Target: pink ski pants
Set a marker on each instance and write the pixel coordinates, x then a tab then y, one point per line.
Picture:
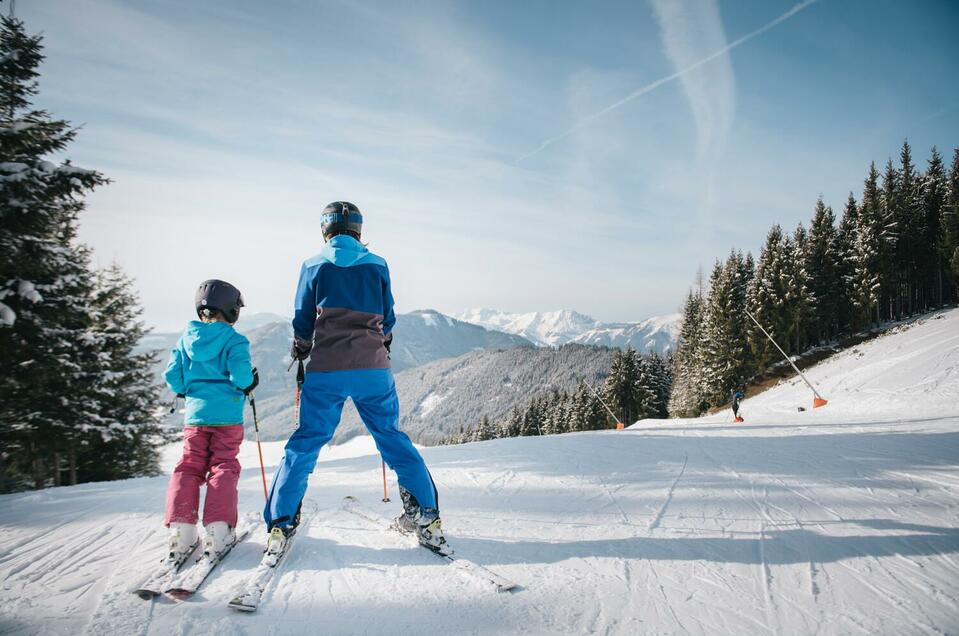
209	455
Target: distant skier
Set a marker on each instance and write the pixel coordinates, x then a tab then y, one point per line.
210	367
737	398
343	321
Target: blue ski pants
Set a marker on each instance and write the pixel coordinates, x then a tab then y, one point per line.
321	402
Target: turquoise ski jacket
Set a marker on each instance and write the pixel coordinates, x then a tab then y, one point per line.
211	366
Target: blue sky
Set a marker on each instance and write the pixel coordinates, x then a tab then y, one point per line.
478	137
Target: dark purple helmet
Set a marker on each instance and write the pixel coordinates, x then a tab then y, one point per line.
341	217
220	296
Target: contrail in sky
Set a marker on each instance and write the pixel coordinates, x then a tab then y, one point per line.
639	92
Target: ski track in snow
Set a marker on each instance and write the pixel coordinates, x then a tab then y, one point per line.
842	520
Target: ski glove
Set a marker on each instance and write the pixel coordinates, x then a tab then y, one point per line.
256	382
301	349
388	343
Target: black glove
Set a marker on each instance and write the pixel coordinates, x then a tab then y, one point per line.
388	343
256	382
301	349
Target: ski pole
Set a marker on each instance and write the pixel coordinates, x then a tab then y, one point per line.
259	449
386	495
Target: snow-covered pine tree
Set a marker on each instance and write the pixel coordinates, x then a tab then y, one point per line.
686	398
914	254
933	207
799	299
725	357
129	435
823	265
649	403
766	300
950	224
871	250
620	387
891	254
852	310
47	353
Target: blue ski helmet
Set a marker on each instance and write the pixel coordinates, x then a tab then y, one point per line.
341	217
221	296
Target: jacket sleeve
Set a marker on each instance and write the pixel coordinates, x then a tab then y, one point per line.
238	364
304	308
174	372
389	318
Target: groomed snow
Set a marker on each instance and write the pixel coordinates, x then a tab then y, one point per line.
842	520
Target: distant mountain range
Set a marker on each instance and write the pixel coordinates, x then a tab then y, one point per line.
440	398
554	328
449	372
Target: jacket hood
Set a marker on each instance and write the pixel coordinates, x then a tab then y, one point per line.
344	250
205	340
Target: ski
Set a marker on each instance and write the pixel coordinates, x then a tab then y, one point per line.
188	581
154	584
249	594
471	569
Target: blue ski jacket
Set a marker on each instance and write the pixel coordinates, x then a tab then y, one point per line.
211	366
344	308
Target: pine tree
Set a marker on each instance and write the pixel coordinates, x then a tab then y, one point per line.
872	253
686	398
852	307
799	299
822	260
47	355
892	252
933	195
725	357
950	224
766	300
128	434
620	386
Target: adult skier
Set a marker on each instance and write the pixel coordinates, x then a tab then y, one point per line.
210	367
342	324
737	398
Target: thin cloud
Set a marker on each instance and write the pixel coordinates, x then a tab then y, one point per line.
648	88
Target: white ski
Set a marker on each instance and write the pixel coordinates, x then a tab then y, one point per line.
473	570
248	595
188	581
154	584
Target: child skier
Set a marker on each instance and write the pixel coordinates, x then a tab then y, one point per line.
737	398
210	367
343	318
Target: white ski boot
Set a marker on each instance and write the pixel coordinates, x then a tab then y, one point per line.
218	538
183	538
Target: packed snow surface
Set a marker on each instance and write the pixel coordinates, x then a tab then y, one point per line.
839	520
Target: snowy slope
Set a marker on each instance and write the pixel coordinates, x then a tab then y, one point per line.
554	328
841	520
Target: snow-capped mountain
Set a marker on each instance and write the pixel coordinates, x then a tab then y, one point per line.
653	334
420	337
426	335
554	328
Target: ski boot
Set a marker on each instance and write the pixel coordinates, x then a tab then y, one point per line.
423	523
280	534
183	538
218	538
